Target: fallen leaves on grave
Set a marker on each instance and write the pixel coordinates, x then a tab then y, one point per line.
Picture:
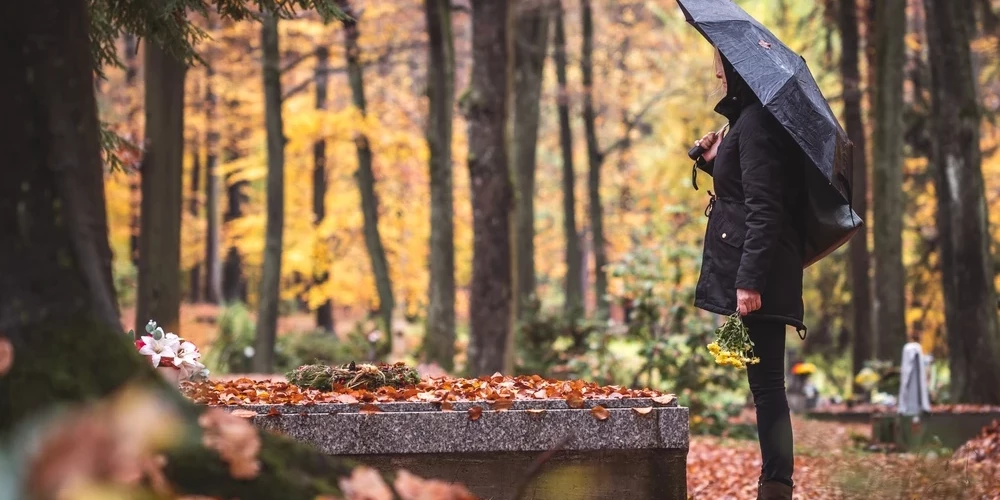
643	411
498	391
840	409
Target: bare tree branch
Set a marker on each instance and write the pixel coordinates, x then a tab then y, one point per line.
631	124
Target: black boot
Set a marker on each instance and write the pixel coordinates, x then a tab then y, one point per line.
773	490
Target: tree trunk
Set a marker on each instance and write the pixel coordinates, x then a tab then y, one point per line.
131	71
321	270
887	195
57	262
234	285
365	175
213	266
530	45
270	281
194	274
440	336
574	260
594	159
962	218
858	246
485	104
159	295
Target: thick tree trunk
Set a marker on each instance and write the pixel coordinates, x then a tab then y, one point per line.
365	176
962	219
858	246
887	195
194	274
159	295
574	259
270	281
64	326
485	106
440	337
595	158
321	266
213	265
530	45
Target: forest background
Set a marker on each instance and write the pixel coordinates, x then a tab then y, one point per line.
357	208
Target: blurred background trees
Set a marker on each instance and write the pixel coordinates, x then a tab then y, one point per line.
486	188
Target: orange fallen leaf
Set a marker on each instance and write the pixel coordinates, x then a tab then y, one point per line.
446	406
6	355
574	400
365	484
643	411
273	412
600	413
244	413
666	399
368	409
347	399
502	405
475	412
411	487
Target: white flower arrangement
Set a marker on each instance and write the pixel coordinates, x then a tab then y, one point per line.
167	350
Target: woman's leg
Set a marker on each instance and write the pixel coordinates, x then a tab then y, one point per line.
767	383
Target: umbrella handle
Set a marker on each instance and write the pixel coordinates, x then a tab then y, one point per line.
696	152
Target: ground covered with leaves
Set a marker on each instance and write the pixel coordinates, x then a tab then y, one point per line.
829	466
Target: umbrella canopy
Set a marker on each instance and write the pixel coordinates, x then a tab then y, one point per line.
782	81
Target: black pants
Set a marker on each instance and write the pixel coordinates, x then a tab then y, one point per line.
767	383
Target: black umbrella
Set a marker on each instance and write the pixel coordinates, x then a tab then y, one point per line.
781	80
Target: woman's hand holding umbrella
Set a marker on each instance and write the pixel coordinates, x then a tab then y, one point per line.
710	143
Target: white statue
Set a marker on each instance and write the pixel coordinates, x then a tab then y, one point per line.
914	394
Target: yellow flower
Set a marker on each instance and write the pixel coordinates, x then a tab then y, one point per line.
714	348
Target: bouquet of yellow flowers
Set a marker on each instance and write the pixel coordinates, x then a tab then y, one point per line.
732	346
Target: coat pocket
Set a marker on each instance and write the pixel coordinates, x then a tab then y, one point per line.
731	233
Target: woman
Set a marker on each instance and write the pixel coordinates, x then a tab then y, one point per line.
753	256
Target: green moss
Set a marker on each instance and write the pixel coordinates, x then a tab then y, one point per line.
353	376
67	360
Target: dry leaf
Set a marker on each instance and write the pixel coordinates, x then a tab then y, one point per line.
243	413
273	412
600	413
347	398
368	409
234	439
643	411
365	483
475	412
666	399
502	405
446	406
536	412
574	400
6	356
411	487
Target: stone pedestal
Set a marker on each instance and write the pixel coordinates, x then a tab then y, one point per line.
630	455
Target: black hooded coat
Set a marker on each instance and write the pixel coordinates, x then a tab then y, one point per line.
755	235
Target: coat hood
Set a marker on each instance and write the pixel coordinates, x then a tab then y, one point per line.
738	94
